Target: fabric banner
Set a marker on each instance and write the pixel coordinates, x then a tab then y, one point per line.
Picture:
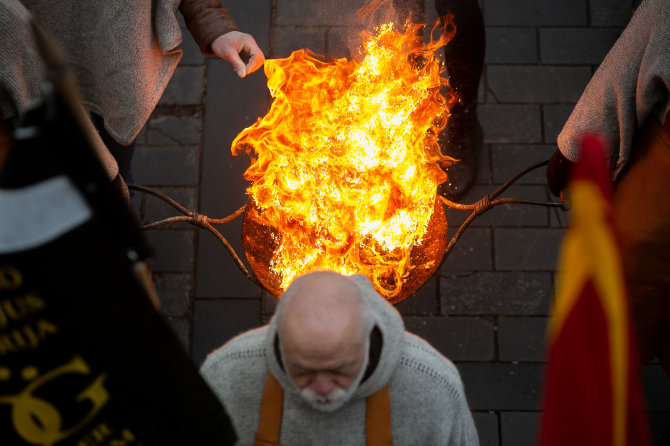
86	359
592	389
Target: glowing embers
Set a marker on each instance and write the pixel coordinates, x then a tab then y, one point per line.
345	166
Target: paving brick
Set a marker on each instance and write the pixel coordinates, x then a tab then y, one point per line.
253	17
496	386
610	12
292	38
576	45
484	168
223	277
522	338
656	385
457	338
174	291
505	123
487	427
535	12
343	42
558	276
170	130
217	321
519	428
424	301
157	138
526	249
511	45
156	209
182	329
224	123
554	118
185	87
497	293
504	214
223	186
537	84
167	165
321	13
470	253
173	250
509	159
518	214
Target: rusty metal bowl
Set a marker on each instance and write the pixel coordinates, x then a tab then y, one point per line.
259	241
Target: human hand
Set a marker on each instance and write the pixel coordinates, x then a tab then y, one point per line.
558	172
232	45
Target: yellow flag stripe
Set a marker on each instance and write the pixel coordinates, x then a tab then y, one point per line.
590	250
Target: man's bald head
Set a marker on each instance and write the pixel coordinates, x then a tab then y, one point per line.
323	323
323	301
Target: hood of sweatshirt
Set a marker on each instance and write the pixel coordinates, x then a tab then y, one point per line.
385	349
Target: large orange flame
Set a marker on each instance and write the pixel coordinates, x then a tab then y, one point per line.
345	165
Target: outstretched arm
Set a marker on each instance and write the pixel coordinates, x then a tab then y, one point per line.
233	46
216	33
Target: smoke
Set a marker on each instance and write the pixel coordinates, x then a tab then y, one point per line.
377	12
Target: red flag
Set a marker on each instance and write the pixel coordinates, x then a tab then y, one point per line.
592	390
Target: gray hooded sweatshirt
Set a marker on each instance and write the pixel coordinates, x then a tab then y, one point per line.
631	86
428	404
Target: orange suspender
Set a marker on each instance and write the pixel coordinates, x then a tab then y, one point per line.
377	416
271	411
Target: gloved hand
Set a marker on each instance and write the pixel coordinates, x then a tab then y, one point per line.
232	45
558	172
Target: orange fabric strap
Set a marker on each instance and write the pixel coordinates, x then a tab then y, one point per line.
377	416
269	424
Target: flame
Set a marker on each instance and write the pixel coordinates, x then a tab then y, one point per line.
345	165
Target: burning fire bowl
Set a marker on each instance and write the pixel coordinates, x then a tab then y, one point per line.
338	135
259	241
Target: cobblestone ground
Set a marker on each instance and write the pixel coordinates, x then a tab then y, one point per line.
488	306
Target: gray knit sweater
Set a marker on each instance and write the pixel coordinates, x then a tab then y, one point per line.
428	404
122	51
22	73
631	86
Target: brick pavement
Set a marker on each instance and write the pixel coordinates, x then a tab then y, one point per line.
488	305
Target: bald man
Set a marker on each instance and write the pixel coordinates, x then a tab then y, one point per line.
336	367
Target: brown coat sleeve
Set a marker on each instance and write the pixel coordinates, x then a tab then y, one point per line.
206	20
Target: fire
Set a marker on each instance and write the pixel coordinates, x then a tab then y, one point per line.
345	165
